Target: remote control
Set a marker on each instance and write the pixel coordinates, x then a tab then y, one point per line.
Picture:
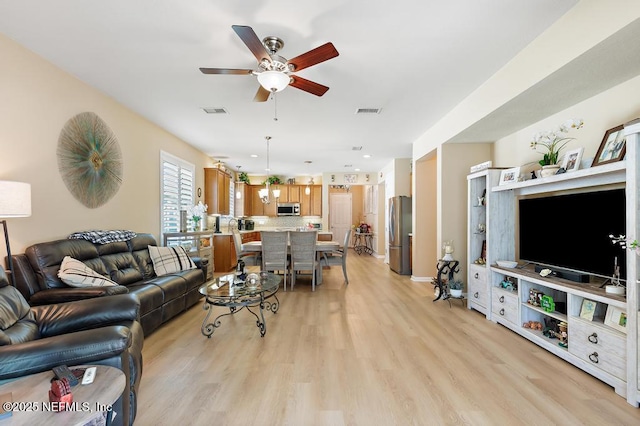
63	372
89	375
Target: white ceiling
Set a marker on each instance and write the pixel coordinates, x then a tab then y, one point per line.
413	59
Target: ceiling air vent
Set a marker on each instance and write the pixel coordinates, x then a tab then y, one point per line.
356	148
368	110
215	110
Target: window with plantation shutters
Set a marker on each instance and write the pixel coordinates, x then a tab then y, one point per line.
176	190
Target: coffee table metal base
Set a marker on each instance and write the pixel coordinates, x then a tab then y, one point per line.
236	306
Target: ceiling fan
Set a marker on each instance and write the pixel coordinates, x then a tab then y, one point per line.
274	72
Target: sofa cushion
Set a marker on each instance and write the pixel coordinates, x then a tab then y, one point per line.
16	319
167	260
122	268
76	274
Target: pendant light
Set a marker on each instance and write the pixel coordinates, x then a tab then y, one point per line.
264	192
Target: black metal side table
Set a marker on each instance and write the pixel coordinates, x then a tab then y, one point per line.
446	268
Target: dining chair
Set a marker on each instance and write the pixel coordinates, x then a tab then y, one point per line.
250	258
275	252
339	257
303	255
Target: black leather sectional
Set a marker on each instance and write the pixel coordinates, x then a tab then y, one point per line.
127	263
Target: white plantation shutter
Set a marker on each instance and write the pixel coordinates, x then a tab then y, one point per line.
176	190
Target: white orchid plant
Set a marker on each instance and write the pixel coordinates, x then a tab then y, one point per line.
554	141
626	243
197	212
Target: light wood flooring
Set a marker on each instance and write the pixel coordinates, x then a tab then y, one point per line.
375	352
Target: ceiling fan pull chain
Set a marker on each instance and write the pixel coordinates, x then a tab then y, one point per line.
275	106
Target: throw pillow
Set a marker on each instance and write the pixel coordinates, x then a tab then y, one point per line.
76	274
167	260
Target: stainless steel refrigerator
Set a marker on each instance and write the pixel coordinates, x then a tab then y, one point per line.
399	230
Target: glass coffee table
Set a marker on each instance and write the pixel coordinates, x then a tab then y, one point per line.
224	292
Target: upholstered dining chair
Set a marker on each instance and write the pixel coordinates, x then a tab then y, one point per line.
303	255
275	252
250	258
339	257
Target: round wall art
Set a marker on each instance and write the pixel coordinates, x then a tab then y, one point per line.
89	159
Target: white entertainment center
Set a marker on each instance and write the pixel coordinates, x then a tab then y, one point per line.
612	355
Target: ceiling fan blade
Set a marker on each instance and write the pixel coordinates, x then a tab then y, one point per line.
225	71
313	57
249	37
261	95
308	86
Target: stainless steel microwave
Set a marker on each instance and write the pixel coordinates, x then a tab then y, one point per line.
288	209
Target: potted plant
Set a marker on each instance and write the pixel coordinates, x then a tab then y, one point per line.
553	142
455	288
274	180
244	177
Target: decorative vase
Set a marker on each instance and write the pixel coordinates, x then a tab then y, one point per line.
549	170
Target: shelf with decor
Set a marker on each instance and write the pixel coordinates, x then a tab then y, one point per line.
604	345
490	224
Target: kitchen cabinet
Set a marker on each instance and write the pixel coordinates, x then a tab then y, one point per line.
254	206
311	205
225	259
250	236
216	191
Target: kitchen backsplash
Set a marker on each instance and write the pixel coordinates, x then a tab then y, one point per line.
277	222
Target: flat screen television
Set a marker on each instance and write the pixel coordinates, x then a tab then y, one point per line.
571	231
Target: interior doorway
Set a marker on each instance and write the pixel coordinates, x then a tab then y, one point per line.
339	215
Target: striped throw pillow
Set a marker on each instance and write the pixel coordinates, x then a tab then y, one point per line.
167	260
76	274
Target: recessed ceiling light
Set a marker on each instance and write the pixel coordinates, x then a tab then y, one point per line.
367	156
356	170
254	156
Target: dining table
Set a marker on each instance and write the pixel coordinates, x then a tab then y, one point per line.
321	247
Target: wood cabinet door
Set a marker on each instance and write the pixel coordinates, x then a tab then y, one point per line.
316	200
294	193
222	247
216	191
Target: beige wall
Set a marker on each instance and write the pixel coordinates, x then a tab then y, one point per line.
583	27
600	113
37	100
425	230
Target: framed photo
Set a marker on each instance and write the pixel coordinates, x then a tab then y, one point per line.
348	178
509	175
572	160
612	148
616	318
588	309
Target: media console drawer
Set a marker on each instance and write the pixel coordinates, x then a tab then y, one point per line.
593	343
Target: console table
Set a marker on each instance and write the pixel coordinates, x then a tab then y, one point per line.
197	244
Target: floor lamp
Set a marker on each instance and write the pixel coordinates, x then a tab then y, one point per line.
15	201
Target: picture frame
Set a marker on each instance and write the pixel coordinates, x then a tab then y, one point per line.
572	159
509	175
350	178
588	309
616	318
612	148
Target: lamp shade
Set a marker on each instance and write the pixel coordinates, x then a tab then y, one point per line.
15	199
276	193
273	81
263	193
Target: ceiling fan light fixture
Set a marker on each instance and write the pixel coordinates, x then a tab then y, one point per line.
273	81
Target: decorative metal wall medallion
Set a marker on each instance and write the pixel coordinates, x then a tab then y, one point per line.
89	159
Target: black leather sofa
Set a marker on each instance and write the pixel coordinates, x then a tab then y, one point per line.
128	263
102	331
